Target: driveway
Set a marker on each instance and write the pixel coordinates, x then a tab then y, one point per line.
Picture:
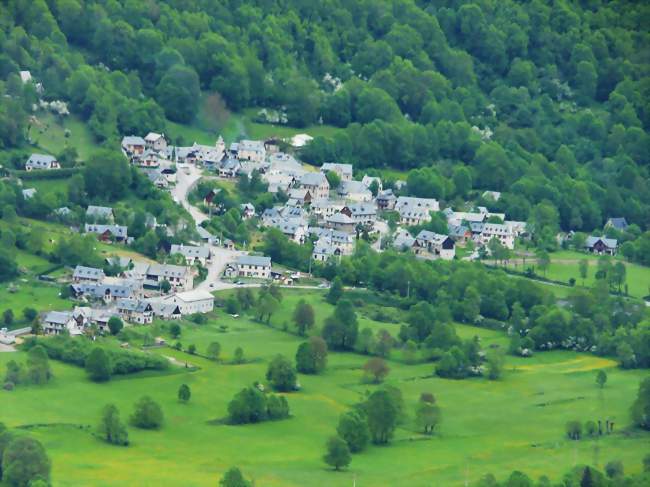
186	177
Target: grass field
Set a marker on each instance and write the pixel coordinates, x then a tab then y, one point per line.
50	135
515	423
565	265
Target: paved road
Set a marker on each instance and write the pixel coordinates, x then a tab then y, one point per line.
186	177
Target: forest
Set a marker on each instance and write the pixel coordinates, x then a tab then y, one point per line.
544	101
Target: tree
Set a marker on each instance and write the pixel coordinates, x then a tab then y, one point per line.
641	406
574	430
191	349
583	267
111	427
303	317
184	393
341	329
614	469
115	325
175	330
311	356
98	365
179	93
281	374
338	453
238	356
8	266
601	378
266	306
8	317
24	461
494	365
543	261
107	174
427	413
333	179
38	365
147	414
377	368
214	350
353	428
165	286
30	314
335	292
234	478
382	412
247	406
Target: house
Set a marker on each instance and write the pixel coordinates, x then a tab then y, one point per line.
29	193
368	181
135	311
165	310
341	240
228	168
192	254
105	291
100	214
87	274
41	162
343	171
191	302
299	197
501	232
361	213
619	224
601	245
156	142
293	229
133	145
386	200
279	182
55	322
414	211
107	233
326	208
354	191
282	163
148	159
251	150
402	240
340	221
459	233
180	277
324	251
430	245
491	195
254	266
247	210
206	236
317	185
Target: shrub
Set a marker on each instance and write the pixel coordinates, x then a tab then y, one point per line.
147	414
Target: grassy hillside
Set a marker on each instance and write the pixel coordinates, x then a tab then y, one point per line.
517	422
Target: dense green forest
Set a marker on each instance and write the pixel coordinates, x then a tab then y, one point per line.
545	101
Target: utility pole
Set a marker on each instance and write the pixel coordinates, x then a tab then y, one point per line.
408	289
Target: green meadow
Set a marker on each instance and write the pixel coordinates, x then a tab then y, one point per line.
514	423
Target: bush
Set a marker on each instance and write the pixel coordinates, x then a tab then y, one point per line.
574	430
250	405
281	374
8	386
147	414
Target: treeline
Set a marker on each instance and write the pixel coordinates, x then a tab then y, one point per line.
77	352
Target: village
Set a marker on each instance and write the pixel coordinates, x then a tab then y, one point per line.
326	206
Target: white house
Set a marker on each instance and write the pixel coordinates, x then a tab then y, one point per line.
432	245
354	191
414	211
363	213
251	150
344	171
135	311
340	221
156	141
55	322
193	254
501	232
180	277
87	274
317	185
190	302
254	266
41	162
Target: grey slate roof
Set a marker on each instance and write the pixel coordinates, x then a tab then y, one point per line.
618	223
136	305
99	211
257	260
82	272
58	317
313	179
190	251
115	230
40	161
609	242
